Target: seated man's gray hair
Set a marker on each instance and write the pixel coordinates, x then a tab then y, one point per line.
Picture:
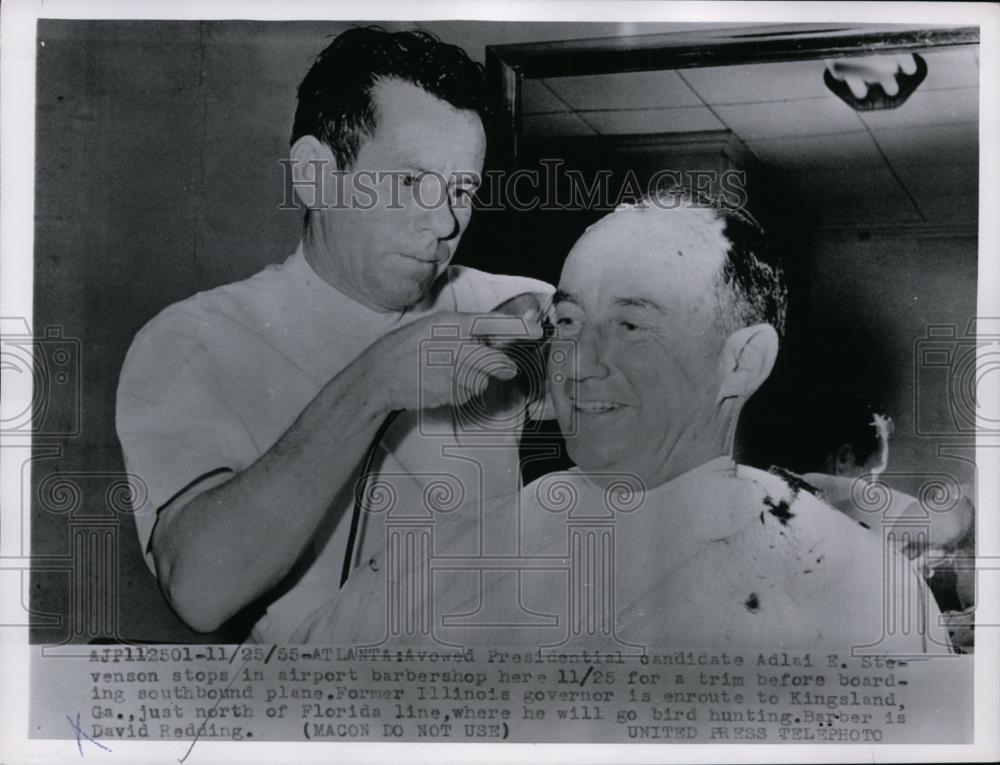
751	286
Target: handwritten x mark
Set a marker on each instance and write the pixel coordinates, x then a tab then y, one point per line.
81	735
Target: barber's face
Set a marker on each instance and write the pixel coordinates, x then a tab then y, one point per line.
642	377
388	255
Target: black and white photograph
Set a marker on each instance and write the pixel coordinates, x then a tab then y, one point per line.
466	377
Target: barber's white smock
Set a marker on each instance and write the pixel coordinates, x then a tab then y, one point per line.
724	556
212	382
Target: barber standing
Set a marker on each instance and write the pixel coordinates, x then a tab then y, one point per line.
247	411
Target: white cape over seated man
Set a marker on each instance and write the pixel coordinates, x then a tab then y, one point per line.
668	319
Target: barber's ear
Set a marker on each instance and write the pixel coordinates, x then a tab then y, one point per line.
747	359
312	162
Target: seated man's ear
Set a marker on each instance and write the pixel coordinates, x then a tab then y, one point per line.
312	163
747	359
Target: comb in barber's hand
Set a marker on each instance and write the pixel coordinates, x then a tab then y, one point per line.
528	353
519	305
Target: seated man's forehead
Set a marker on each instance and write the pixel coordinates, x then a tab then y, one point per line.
690	241
684	231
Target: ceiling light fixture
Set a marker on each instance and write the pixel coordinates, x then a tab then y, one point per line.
871	83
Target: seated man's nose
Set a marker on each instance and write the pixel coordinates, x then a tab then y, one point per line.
589	357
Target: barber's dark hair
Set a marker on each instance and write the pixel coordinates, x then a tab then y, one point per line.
335	99
750	287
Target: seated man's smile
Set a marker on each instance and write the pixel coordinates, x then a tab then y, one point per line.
595	407
637	389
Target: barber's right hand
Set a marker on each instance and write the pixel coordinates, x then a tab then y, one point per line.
443	359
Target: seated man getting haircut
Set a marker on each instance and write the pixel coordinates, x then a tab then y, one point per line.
667	318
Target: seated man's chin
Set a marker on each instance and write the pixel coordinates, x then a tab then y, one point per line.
590	455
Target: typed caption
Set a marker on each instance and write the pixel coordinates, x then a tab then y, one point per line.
292	693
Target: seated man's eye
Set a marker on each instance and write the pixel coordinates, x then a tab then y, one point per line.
567	325
567	322
630	330
629	327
